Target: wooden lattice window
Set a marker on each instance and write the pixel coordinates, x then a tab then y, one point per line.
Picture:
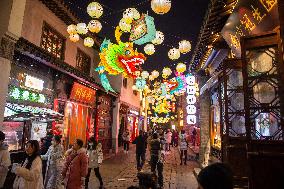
83	62
52	41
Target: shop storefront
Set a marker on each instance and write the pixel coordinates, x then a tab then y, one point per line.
133	123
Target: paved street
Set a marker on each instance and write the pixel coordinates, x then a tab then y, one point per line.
120	172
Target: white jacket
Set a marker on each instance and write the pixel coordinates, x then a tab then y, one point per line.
95	158
183	142
29	178
5	162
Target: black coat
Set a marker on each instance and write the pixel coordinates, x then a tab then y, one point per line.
141	144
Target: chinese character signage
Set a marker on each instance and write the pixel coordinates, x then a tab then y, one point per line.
191	100
83	94
249	17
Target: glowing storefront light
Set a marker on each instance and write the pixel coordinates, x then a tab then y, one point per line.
191	100
34	83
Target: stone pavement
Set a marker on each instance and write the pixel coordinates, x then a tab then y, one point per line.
120	171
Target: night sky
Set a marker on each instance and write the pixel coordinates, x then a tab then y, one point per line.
183	21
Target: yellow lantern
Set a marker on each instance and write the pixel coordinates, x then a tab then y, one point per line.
184	46
155	73
74	37
149	49
159	38
145	74
88	42
174	54
151	78
95	10
124	25
181	67
161	6
94	26
81	28
130	14
71	29
166	73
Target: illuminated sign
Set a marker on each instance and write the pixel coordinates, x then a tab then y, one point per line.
33	83
25	95
191	100
249	17
134	112
83	94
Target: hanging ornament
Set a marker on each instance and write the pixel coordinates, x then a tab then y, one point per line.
181	67
81	28
74	37
130	14
95	10
174	54
124	25
94	26
161	6
184	46
149	49
145	74
140	83
88	42
159	38
71	29
155	74
166	72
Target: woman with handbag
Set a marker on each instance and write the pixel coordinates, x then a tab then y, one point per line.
54	157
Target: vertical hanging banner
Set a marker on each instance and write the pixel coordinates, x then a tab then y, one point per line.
191	100
83	94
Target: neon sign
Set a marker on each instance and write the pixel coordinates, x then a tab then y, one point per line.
191	100
83	94
21	94
33	83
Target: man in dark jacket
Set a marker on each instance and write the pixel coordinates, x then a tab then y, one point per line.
141	144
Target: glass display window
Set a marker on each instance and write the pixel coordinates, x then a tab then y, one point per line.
14	134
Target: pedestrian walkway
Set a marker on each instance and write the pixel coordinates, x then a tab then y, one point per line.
120	171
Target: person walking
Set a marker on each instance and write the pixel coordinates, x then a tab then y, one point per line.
76	167
54	157
140	142
175	138
126	140
168	137
157	158
194	133
183	147
5	160
95	155
29	174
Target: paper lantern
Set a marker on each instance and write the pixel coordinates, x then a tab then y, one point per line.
161	6
88	42
94	26
149	49
151	78
145	74
74	37
184	46
166	72
71	29
130	14
181	67
159	38
81	28
174	54
155	73
95	10
124	25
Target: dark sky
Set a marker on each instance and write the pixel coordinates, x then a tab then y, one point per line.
183	21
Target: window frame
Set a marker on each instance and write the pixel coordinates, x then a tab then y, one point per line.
84	56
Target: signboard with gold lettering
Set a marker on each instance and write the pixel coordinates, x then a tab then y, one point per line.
83	94
249	17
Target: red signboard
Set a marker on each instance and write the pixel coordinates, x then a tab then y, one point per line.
83	94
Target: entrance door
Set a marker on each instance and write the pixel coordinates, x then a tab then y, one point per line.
264	109
233	121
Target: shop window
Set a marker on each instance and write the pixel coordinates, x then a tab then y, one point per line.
52	41
83	62
124	82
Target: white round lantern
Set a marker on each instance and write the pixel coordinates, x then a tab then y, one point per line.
71	29
155	73
149	49
124	25
161	6
95	26
166	72
88	42
145	74
181	67
95	10
159	38
81	28
174	54
74	37
184	46
131	13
